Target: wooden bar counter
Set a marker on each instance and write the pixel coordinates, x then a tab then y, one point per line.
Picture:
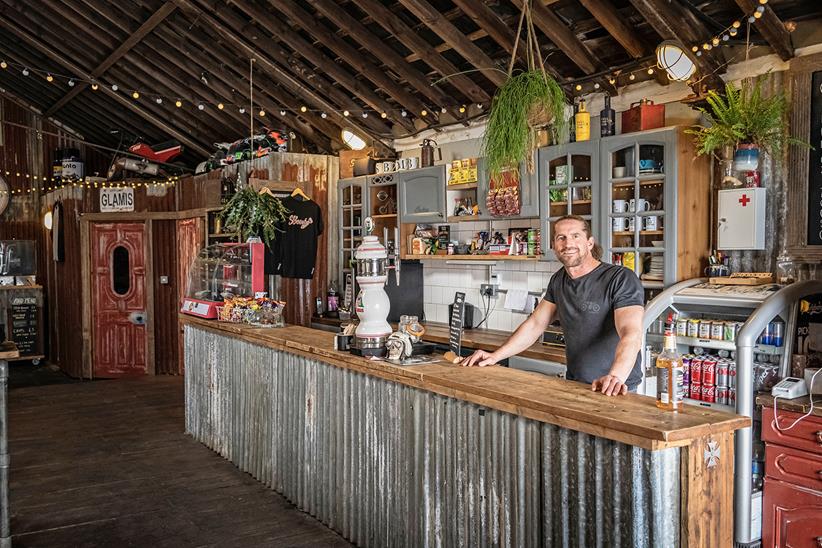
439	454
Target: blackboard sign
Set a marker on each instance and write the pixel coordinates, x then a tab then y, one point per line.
815	175
455	323
23	328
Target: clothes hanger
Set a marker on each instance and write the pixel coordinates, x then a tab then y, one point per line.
299	192
266	190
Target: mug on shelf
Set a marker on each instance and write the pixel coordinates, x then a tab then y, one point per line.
619	172
639	204
620	206
651	222
619	224
631	224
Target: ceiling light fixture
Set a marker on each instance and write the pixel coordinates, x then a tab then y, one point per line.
673	59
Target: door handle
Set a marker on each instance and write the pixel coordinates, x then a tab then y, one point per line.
137	318
819	437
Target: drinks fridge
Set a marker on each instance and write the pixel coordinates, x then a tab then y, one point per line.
734	341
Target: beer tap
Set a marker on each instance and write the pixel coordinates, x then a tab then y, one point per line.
393	249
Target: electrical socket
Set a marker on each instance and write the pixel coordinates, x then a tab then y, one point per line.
489	290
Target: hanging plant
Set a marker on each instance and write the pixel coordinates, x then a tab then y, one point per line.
526	102
250	213
744	116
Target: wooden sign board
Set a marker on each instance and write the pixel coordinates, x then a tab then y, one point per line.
455	323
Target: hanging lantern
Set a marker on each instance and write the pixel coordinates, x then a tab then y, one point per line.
673	58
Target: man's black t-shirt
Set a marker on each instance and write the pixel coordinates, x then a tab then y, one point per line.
586	311
296	248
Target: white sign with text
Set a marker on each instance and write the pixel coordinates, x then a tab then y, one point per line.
116	199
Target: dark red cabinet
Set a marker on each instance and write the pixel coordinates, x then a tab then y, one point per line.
792	503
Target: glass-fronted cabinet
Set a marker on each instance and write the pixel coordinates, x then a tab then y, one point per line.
353	203
568	182
655	213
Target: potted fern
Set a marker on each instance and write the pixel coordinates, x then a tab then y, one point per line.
254	214
746	121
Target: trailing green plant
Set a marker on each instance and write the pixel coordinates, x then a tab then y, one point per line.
744	116
510	134
253	214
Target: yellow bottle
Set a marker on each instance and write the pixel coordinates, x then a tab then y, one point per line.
669	374
583	123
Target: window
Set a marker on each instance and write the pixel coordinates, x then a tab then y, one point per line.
120	273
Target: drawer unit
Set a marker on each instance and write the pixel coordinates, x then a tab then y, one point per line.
807	435
794	466
791	516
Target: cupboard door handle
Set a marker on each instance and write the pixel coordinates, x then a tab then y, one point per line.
819	437
819	542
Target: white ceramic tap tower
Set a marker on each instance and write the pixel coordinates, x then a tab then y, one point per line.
372	304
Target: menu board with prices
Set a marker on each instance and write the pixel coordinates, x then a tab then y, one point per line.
815	175
23	325
455	323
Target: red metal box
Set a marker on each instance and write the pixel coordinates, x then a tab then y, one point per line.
643	115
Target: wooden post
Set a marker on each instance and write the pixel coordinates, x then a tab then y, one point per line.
707	487
5	533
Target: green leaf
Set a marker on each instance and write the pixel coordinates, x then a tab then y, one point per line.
253	214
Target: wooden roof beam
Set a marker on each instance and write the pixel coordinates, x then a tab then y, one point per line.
608	16
146	28
350	55
376	47
423	50
14	30
771	28
485	18
429	15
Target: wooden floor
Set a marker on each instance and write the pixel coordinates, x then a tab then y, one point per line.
107	463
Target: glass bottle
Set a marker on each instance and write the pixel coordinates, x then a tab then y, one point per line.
572	137
607	119
582	120
669	382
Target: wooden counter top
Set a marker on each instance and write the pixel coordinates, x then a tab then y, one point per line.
484	339
797	405
630	419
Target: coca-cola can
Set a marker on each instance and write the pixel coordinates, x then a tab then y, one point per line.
732	397
722	395
709	394
709	372
696	391
732	374
696	370
722	373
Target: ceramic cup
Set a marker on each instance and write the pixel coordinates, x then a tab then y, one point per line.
620	206
651	222
619	171
619	224
639	204
413	162
631	224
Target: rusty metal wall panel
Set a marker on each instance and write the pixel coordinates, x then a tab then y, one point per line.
390	465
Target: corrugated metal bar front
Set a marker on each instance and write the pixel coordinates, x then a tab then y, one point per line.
389	465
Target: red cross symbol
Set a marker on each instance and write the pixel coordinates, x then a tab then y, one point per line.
744	200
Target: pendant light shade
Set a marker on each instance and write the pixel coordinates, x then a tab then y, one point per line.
672	57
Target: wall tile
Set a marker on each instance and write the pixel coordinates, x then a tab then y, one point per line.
536	281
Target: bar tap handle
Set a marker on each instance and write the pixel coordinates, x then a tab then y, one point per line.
397	257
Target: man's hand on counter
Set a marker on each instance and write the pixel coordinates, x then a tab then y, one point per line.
610	385
480	358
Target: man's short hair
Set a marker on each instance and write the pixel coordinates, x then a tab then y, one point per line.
597	250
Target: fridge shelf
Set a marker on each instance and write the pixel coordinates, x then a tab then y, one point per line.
719	345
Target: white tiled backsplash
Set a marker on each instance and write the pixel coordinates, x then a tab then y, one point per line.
441	281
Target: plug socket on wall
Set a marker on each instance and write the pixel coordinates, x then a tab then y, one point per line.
489	290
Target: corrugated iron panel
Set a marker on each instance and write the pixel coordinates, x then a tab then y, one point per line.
390	465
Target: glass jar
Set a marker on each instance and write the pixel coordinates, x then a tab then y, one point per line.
411	326
746	157
785	270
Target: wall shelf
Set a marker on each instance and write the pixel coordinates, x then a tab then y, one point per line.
385	216
462	186
471	257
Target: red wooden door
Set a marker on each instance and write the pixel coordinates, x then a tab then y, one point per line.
118	268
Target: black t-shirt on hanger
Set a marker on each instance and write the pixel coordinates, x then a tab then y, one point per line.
296	248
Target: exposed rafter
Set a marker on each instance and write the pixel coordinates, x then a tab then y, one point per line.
771	28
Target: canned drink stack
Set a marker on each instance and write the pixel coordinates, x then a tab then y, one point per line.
696	370
682	327
722	373
717	330
696	391
730	331
777	333
709	394
732	374
709	371
722	395
693	328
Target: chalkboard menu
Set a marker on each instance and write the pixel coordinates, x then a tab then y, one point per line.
455	324
815	175
23	328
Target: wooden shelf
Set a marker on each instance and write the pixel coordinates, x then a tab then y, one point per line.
630	184
384	216
472	257
641	233
462	186
463	218
216	235
573	202
14	287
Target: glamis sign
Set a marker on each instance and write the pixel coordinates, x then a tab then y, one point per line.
116	199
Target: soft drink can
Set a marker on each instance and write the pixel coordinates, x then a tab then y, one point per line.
777	333
722	373
732	374
686	370
729	332
682	327
732	397
709	394
722	395
696	370
709	372
696	391
693	328
765	338
717	330
705	329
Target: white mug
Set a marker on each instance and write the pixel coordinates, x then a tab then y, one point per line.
403	164
387	167
631	224
620	206
619	171
651	222
413	162
639	204
619	224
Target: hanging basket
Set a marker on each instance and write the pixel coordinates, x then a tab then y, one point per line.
539	116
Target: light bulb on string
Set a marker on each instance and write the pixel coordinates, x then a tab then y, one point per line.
220	106
715	41
758	14
262	113
424	112
760	9
114	87
25	71
201	106
403	113
596	85
346	113
242	110
612	81
384	115
650	70
136	94
71	83
178	103
462	109
736	24
632	76
323	115
725	37
578	87
752	19
3	64
443	110
365	114
49	78
282	112
695	49
733	32
763	2
303	109
159	100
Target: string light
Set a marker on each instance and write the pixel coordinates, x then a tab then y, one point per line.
200	106
159	100
403	113
3	64
71	83
632	76
178	103
136	94
242	110
323	115
365	114
25	72
49	78
114	87
424	112
650	70
578	87
443	110
346	113
303	109
282	112
462	109
383	115
220	106
262	113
